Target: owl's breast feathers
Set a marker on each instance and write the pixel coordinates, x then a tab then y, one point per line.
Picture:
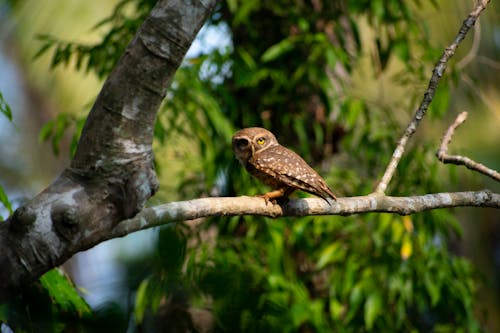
280	167
267	176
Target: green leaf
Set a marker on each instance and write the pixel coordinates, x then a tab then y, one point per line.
171	249
402	49
373	307
4	313
56	128
354	109
277	50
149	296
46	131
330	254
355	301
5	200
63	293
247	59
433	289
141	301
5	108
48	42
378	9
441	101
76	135
337	309
232	5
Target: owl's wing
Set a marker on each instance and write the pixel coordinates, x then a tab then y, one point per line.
290	169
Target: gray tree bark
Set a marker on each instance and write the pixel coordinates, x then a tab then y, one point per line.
111	175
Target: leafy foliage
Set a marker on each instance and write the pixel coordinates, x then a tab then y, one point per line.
290	68
99	58
62	292
55	129
51	305
7	112
5	200
5	108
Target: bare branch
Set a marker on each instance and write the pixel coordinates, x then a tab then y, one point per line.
205	207
437	73
442	153
445	141
488	62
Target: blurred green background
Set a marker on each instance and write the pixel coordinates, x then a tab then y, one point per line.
336	81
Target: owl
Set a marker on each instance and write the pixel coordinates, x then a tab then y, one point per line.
276	166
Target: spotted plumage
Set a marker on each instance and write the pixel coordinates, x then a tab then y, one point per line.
276	166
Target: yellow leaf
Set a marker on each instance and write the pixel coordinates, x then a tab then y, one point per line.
408	224
406	248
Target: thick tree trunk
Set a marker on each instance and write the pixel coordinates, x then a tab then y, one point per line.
111	175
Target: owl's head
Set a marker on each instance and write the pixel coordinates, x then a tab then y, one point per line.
248	141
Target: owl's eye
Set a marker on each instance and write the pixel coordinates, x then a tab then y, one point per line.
261	141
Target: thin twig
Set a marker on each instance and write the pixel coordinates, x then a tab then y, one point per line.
488	62
442	153
445	141
437	73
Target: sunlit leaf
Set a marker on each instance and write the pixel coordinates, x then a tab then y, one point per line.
356	298
46	131
330	254
141	301
5	200
373	308
63	293
407	222
406	247
277	50
337	309
232	5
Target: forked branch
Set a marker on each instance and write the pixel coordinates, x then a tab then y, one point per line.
437	73
443	156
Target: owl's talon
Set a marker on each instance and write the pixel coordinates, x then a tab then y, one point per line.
266	198
276	197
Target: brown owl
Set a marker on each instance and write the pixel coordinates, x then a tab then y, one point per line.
276	166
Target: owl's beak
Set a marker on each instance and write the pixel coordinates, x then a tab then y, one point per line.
241	143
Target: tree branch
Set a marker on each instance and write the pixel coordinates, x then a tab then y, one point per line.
437	73
442	153
205	207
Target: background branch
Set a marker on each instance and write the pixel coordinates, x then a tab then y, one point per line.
205	207
472	54
437	73
442	153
